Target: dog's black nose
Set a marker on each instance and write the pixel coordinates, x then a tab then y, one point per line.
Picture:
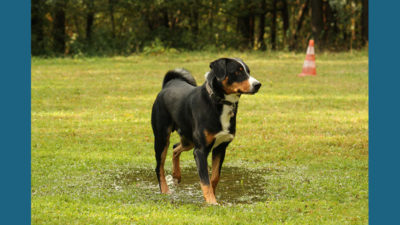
257	86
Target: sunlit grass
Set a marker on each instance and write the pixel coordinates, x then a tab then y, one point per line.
91	120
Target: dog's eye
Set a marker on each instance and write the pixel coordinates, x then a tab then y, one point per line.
241	68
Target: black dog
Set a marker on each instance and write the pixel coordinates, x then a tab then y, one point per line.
204	116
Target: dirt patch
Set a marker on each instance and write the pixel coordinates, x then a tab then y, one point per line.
237	185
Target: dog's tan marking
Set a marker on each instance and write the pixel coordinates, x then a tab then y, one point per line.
216	162
236	87
209	190
163	182
210	137
176	170
208	194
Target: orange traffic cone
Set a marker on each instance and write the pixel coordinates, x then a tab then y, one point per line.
309	62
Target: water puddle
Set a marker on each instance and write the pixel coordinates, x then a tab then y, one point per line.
236	185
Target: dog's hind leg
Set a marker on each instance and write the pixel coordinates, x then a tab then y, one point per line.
162	128
161	145
178	149
176	170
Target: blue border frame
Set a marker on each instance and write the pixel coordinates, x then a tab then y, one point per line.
384	112
384	120
15	116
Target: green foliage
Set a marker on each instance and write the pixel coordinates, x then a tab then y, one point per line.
91	128
123	27
157	47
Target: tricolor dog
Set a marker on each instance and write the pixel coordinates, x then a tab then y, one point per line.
204	117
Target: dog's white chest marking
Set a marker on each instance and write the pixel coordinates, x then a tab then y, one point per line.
225	118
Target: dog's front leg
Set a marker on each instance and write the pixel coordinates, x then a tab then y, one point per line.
200	155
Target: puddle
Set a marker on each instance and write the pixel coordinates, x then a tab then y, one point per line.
236	185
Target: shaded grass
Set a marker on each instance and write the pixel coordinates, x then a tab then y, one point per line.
91	120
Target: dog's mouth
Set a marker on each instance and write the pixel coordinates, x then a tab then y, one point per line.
252	91
249	86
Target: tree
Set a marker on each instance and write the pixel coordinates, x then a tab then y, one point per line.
59	26
111	4
285	19
317	23
261	26
243	27
37	26
364	21
194	19
273	25
108	27
301	16
89	20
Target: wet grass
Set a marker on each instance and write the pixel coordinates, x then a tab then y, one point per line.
300	155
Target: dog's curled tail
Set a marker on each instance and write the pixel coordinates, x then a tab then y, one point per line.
181	74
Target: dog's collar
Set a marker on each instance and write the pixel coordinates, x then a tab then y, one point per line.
217	98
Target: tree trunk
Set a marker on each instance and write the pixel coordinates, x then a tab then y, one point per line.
273	26
37	23
329	21
364	21
111	11
302	13
353	26
211	15
261	27
59	27
285	18
251	30
194	20
89	20
243	30
317	23
165	17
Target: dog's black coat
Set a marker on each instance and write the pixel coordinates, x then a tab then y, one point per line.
194	112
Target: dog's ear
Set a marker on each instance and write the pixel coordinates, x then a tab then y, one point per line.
219	68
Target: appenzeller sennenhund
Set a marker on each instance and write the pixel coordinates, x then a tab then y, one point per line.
204	117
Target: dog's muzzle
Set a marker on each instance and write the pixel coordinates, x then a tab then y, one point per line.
255	85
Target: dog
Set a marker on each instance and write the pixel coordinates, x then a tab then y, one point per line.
204	117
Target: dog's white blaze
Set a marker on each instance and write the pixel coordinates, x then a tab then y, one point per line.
243	66
252	81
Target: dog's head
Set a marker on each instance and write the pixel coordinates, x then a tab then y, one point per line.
233	76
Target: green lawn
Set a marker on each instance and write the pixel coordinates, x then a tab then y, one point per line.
300	155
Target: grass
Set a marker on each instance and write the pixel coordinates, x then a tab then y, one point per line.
91	128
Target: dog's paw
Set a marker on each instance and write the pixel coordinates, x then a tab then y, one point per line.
212	203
